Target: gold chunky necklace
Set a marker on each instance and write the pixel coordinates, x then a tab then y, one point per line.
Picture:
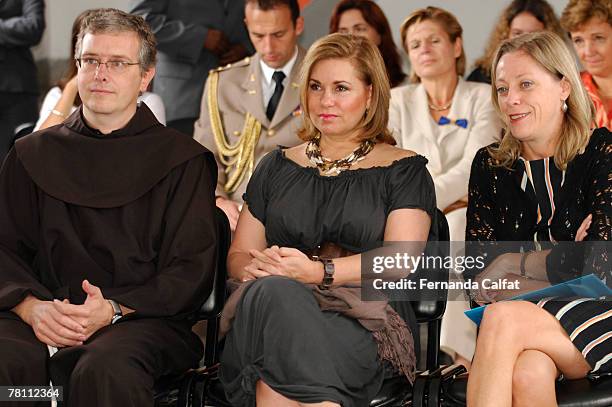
335	167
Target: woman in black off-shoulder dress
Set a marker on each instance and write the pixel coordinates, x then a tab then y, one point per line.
295	336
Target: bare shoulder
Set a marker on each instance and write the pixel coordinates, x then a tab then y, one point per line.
297	154
386	154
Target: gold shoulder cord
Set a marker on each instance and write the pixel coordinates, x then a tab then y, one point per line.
238	159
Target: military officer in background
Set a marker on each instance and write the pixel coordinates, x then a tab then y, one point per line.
251	107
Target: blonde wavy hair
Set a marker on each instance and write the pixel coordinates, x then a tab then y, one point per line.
552	54
449	24
540	9
370	68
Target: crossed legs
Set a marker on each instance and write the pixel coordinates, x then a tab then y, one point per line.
520	351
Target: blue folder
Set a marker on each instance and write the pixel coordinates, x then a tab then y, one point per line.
588	286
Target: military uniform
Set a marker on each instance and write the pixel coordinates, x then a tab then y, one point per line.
233	123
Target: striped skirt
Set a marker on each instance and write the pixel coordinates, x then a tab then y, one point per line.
588	322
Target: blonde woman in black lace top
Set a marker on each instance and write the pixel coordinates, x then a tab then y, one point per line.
547	181
340	194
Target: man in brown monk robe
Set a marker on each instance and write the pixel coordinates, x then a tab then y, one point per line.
107	234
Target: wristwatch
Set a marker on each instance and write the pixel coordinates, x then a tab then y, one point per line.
522	269
328	272
118	314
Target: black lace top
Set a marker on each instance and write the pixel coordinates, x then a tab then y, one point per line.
302	209
501	210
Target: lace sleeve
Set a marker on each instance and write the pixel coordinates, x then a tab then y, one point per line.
481	213
599	202
600	194
480	217
561	264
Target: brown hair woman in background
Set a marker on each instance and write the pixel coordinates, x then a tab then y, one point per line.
366	19
589	23
520	17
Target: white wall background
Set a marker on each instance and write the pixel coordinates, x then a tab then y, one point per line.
59	15
52	52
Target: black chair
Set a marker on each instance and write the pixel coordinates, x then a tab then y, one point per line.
395	391
181	390
587	392
22	130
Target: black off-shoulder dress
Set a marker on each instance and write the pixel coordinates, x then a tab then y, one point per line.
279	333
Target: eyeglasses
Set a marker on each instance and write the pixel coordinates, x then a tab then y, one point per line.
114	67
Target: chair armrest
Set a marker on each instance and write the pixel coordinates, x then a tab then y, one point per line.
591	392
419	389
437	378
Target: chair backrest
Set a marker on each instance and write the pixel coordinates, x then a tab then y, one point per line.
213	305
427	311
210	311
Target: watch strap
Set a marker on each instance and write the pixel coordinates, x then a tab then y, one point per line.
328	272
117	313
522	268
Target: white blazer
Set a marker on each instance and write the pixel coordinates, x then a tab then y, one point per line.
450	149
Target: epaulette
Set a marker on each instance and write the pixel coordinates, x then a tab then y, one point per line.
243	62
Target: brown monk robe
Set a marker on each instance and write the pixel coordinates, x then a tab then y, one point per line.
133	213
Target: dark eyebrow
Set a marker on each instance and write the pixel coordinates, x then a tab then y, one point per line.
335	82
111	58
274	33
